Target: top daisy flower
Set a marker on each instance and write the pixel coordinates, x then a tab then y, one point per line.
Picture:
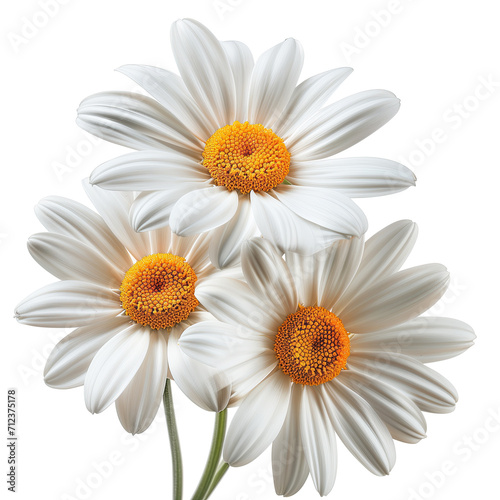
235	147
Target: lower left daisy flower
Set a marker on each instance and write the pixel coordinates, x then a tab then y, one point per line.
130	297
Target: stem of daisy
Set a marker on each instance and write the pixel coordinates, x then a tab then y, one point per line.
175	447
223	467
213	458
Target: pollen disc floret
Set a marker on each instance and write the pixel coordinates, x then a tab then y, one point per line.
246	157
312	346
158	290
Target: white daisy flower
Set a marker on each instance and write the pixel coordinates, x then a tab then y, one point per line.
231	147
130	297
332	344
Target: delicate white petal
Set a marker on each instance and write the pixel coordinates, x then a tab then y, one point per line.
206	71
360	428
195	250
160	240
151	209
226	240
325	207
399	413
396	298
69	259
268	275
342	124
68	217
114	366
245	356
241	61
307	98
202	210
205	386
138	404
353	177
222	345
318	438
290	469
273	81
148	171
427	339
69	360
232	301
169	90
286	229
258	420
321	278
114	207
426	387
385	253
135	121
67	304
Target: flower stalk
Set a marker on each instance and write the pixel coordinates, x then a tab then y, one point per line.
175	447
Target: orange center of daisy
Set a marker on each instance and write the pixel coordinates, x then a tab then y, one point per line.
246	157
312	346
158	290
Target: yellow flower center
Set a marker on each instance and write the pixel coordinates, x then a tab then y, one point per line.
246	157
158	290
312	346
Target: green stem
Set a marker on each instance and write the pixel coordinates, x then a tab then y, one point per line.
213	457
174	441
223	467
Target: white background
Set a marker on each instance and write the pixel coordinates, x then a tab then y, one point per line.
433	55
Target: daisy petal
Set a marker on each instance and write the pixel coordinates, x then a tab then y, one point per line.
268	275
400	414
307	98
114	207
205	386
58	253
396	298
245	356
325	207
427	388
427	339
226	240
70	218
318	438
241	60
206	71
67	304
71	357
258	420
290	469
273	80
148	171
342	124
114	366
232	301
135	121
151	209
203	209
169	90
384	254
138	404
360	429
160	240
333	270
353	177
221	345
288	231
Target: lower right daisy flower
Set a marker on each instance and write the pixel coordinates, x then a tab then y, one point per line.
329	345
